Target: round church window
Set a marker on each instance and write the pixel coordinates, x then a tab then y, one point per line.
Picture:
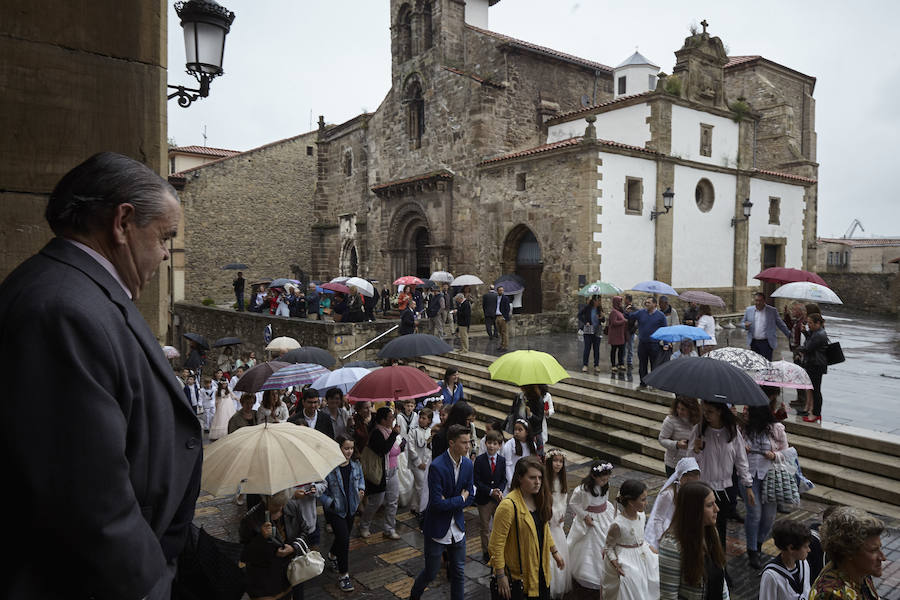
705	195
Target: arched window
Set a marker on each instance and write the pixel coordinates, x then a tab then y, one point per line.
427	33
348	162
404	33
415	104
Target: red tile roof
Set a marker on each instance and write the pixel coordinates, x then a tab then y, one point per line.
543	50
784	175
561	144
590	109
205	151
862	242
738	60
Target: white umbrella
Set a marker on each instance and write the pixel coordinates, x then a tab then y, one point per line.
344	379
282	344
271	457
365	288
441	276
171	352
466	280
339	280
807	290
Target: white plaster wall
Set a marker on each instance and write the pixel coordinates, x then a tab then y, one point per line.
702	242
627	125
626	241
637	79
686	137
477	13
790	224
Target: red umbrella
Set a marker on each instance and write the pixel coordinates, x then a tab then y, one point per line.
409	280
392	383
782	275
336	287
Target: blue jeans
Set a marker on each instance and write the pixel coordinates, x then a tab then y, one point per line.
759	519
591	340
629	349
456	557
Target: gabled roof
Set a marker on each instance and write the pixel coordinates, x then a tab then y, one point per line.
863	242
636	59
528	46
751	59
785	175
589	109
574	141
204	151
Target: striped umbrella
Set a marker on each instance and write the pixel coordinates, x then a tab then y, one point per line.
299	374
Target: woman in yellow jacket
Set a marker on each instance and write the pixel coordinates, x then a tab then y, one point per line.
521	544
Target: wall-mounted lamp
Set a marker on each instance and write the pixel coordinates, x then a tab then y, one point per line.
205	24
668	196
746	206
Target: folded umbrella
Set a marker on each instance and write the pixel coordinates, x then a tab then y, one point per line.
227	341
709	380
466	280
343	379
308	354
527	367
654	287
806	290
252	379
414	345
199	339
392	383
676	333
293	375
743	359
702	298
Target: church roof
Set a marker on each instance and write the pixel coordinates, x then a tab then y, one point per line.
785	175
567	116
636	59
751	59
528	46
204	151
574	141
863	242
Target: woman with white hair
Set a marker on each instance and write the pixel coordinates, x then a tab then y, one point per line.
686	470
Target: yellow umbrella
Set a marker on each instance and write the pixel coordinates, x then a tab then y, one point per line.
527	367
271	457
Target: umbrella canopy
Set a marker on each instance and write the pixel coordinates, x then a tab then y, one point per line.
283	281
654	287
702	298
343	379
339	279
234	267
365	288
171	352
260	282
227	341
199	339
252	380
308	354
408	280
510	287
806	290
363	364
293	375
599	288
784	374
336	287
466	280
392	383
527	367
414	345
676	333
271	457
441	276
746	360
282	343
510	277
786	275
709	380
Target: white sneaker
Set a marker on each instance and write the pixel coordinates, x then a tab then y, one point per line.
364	532
393	535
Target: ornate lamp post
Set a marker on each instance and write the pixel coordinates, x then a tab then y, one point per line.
205	24
668	196
746	206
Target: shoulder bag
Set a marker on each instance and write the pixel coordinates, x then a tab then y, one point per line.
372	465
516	586
834	354
780	484
305	565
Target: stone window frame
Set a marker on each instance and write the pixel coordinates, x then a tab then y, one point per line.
774	210
521	181
640	204
706	135
404	32
427	25
414	99
347	162
708	191
622	85
309	150
781	242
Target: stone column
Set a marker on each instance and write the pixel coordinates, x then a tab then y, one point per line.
662	255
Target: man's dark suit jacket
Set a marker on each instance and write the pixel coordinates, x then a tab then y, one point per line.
108	468
505	308
464	313
407	322
323	421
489	304
485	481
444	501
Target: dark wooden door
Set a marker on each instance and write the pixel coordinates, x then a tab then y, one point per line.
532	297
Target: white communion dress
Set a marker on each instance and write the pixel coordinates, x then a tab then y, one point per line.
625	543
586	542
560	580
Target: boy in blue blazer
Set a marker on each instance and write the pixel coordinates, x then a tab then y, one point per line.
490	481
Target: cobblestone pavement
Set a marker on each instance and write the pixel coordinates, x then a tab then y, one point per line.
384	568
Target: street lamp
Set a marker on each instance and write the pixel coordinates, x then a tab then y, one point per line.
668	196
205	24
746	205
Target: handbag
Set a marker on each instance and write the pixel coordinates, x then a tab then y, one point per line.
516	586
305	565
372	465
780	484
834	354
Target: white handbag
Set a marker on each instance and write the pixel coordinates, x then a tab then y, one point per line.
306	565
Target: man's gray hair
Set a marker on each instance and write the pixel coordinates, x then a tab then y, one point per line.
85	198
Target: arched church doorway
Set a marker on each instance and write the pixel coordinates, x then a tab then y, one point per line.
422	253
349	260
411	242
522	256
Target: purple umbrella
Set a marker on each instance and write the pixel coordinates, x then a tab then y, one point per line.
702	298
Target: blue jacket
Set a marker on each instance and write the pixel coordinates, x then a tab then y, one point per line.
444	500
647	323
485	481
451	399
774	320
335	498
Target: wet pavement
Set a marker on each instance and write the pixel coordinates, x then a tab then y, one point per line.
863	391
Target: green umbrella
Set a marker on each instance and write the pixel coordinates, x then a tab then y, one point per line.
527	367
599	288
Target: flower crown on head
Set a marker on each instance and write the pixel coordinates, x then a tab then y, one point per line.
555	452
601	468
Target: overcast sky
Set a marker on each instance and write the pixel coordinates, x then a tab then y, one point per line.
288	61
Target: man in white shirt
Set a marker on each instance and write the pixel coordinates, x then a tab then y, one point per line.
760	321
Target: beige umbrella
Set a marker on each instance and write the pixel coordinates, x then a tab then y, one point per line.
283	344
271	457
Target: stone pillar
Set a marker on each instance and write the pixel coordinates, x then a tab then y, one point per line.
662	255
741	241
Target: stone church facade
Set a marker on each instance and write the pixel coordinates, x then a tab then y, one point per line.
492	155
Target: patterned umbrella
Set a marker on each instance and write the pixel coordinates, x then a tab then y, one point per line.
392	383
256	376
599	288
806	290
343	379
782	373
441	276
746	360
702	298
299	374
171	352
308	354
654	287
710	380
408	280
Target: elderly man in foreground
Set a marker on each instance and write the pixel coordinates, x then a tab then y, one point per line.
105	470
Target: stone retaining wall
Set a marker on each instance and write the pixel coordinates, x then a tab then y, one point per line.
869	292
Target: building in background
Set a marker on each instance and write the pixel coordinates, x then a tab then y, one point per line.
858	255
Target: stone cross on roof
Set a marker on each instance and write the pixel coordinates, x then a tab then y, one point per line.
704	24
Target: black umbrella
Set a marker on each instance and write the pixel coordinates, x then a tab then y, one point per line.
363	364
414	345
260	282
196	337
707	379
227	341
308	354
208	568
235	267
255	377
427	284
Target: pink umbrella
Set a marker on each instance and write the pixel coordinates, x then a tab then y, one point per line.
409	280
336	287
702	298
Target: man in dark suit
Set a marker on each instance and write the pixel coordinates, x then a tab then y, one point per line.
238	285
450	491
408	319
110	478
490	481
489	307
311	416
503	315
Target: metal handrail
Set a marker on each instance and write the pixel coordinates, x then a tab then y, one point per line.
374	339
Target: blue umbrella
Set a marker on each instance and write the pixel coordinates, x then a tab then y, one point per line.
676	333
654	287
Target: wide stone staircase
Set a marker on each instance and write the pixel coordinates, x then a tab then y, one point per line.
601	417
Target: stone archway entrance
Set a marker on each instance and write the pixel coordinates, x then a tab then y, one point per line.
349	260
422	266
411	243
522	256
